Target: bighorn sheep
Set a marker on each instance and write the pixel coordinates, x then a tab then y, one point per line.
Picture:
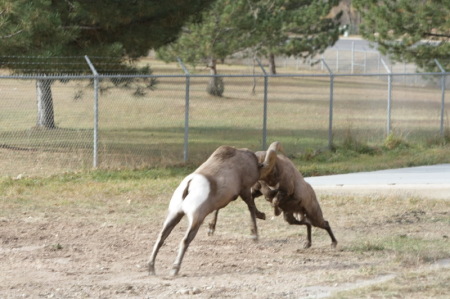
225	175
265	172
292	194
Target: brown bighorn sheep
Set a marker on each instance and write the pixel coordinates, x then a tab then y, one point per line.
307	211
225	175
292	194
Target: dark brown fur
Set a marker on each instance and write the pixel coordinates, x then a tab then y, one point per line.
186	190
303	211
295	197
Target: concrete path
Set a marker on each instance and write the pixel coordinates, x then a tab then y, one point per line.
420	182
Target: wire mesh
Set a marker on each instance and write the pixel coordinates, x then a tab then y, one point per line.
142	116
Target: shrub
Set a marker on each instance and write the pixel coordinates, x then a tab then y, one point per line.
394	141
350	143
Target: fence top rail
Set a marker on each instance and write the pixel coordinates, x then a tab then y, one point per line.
105	76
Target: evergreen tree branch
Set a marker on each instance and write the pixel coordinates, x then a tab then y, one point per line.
436	34
11	35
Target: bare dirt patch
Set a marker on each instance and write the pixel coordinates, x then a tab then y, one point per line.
74	250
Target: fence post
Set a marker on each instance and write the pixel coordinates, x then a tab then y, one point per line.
388	121
337	60
365	61
186	112
378	62
266	79
443	77
330	115
353	57
96	81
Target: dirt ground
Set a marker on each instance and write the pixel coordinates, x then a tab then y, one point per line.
101	252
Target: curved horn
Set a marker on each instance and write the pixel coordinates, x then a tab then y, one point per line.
276	146
270	159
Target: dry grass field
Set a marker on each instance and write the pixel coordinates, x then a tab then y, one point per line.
68	231
89	235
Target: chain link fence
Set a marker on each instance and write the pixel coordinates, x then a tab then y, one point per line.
111	120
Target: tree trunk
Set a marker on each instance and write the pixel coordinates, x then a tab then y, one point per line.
215	85
272	67
45	116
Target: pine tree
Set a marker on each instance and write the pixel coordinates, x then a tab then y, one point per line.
226	28
296	28
408	30
120	29
299	28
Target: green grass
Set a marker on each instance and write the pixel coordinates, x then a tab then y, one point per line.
407	250
344	159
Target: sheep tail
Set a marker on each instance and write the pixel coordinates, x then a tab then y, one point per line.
186	190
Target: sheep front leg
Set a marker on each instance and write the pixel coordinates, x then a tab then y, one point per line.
212	224
249	200
259	214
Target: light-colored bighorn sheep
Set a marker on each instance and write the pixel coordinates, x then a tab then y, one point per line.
292	194
264	173
225	175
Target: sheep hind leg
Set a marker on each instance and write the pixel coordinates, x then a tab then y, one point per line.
327	227
190	235
323	224
289	217
309	240
171	221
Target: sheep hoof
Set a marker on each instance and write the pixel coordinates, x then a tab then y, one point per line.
210	232
151	269
276	211
307	245
261	215
333	245
174	271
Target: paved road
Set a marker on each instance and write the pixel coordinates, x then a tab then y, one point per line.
436	174
423	181
359	44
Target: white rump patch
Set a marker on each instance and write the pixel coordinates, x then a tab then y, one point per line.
197	193
199	189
